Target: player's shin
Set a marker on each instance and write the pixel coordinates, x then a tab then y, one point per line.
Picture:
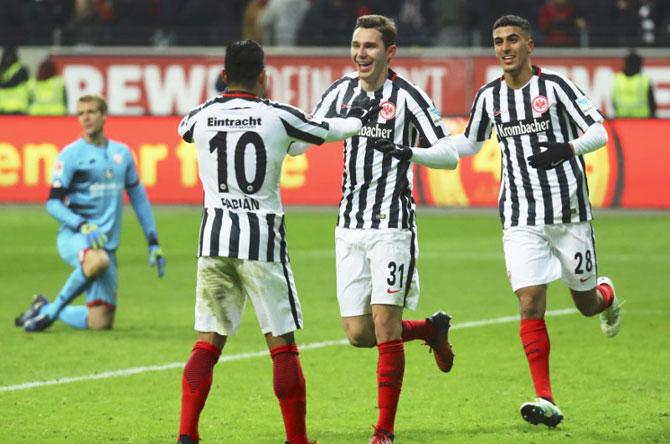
75	316
75	285
390	373
535	340
196	382
289	387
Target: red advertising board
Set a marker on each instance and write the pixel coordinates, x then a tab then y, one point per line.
629	172
173	85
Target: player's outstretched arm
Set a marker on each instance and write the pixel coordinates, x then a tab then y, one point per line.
441	155
361	111
558	152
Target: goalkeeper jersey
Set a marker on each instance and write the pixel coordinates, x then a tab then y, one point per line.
88	184
241	141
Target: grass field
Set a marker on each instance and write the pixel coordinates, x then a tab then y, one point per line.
610	390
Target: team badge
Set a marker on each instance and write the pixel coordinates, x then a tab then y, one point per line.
387	110
117	158
540	104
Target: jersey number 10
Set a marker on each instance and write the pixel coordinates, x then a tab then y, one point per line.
219	143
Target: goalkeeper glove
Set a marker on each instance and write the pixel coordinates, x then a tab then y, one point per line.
156	259
389	148
555	154
94	237
363	108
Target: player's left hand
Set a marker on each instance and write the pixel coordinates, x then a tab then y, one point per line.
555	154
364	108
156	259
389	148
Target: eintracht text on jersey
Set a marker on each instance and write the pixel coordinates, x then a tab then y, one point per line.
241	141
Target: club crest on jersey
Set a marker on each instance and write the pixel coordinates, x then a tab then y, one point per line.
117	158
387	111
540	104
58	168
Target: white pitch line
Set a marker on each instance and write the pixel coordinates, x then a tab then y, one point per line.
241	356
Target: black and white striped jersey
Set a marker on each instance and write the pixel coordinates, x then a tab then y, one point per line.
548	108
241	141
377	190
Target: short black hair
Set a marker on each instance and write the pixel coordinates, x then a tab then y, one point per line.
513	20
632	63
245	60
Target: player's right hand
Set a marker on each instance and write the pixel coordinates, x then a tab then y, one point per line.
389	148
94	236
364	108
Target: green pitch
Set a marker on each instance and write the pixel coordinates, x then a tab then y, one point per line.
610	390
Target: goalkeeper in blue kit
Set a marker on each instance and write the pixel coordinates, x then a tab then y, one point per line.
86	198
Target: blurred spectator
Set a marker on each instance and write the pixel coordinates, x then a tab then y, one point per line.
47	90
45	17
632	92
201	22
85	26
480	14
328	23
251	27
625	25
281	19
451	23
560	24
11	20
14	83
417	20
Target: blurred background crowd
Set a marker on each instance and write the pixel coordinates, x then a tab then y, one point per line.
586	23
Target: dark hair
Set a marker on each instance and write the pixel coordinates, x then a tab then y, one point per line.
46	70
513	20
632	64
382	24
245	60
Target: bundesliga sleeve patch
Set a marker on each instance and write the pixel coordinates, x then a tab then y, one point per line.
435	114
585	104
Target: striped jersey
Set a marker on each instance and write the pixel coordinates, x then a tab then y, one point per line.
241	141
377	189
548	108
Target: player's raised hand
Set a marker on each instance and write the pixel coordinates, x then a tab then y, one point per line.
156	259
389	148
95	238
364	108
555	154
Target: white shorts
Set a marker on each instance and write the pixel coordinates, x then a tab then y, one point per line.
224	284
375	267
537	255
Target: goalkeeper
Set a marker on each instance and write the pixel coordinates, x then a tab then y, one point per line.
86	198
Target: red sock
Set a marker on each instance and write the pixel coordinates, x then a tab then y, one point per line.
535	342
606	293
417	330
390	371
289	387
195	384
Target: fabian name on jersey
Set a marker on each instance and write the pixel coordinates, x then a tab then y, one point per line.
245	203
